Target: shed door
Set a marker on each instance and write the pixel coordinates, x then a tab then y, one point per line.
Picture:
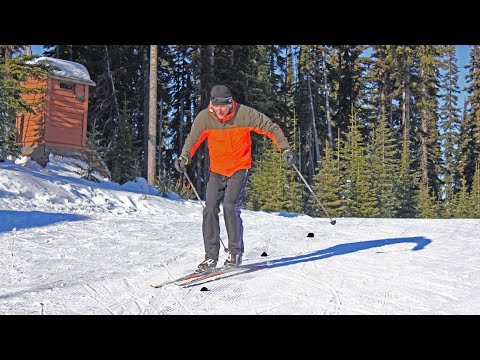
64	125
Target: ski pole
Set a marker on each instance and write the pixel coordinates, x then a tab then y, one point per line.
333	222
203	206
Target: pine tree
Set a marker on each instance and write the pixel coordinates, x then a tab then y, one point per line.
471	128
462	202
406	189
266	181
450	125
429	150
475	193
327	187
384	163
14	70
367	188
357	175
465	153
93	153
292	190
380	77
428	206
123	155
345	76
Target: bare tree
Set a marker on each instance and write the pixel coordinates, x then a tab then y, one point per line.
110	76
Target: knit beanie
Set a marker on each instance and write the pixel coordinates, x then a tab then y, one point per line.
220	95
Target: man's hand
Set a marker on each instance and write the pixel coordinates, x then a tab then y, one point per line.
288	156
181	164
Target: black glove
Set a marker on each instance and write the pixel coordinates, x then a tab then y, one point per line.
181	163
288	156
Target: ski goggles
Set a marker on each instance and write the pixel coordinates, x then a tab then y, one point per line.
218	101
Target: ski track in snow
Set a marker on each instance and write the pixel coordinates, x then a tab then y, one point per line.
113	259
103	261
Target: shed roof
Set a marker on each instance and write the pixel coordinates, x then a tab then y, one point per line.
70	70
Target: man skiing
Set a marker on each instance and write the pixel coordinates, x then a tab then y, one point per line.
227	126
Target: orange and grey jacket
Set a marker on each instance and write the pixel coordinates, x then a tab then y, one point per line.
229	141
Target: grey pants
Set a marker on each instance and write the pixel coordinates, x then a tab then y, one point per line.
230	190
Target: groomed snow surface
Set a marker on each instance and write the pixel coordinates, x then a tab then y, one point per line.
72	246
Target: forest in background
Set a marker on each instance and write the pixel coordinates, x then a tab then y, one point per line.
378	130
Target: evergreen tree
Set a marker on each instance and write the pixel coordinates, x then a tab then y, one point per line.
327	187
266	185
465	153
471	128
406	188
427	203
15	69
123	157
345	68
449	118
367	188
462	202
93	153
357	176
427	104
292	190
384	163
381	77
475	193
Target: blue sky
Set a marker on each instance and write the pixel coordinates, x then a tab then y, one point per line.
462	60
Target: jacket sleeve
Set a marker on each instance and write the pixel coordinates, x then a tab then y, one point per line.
262	124
195	137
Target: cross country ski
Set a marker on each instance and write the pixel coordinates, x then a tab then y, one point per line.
196	277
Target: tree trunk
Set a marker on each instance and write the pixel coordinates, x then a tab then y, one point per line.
180	127
299	149
406	106
423	132
160	138
315	134
146	99
382	100
210	61
327	103
152	115
311	170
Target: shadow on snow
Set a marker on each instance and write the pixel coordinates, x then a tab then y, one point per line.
419	241
10	220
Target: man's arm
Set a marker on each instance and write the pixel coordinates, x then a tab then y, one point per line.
195	138
262	124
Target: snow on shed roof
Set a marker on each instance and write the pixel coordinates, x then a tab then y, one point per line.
68	69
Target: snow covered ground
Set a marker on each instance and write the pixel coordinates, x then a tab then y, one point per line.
71	246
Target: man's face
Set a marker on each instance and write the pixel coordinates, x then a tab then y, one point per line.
221	110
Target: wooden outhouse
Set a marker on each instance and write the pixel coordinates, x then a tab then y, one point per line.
60	124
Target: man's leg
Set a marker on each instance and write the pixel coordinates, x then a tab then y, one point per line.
211	226
232	205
